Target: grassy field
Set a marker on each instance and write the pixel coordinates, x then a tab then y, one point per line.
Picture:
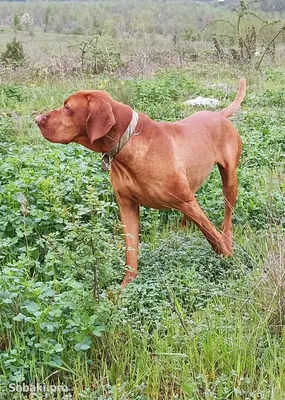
135	38
193	325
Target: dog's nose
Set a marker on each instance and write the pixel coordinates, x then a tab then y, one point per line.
40	118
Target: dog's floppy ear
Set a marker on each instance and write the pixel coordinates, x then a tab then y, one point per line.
100	119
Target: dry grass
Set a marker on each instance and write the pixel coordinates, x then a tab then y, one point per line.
270	293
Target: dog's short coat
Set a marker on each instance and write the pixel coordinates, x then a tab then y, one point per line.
161	166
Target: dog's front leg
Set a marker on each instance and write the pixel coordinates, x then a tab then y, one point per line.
130	221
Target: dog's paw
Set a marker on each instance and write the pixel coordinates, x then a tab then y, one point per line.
128	278
224	246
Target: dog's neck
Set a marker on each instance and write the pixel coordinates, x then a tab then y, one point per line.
123	116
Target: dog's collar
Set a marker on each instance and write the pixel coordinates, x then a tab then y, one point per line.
108	157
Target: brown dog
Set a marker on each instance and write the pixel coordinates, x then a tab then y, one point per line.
156	164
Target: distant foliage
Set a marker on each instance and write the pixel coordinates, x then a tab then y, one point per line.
136	38
17	23
272	5
27	20
99	55
47	15
246	42
14	54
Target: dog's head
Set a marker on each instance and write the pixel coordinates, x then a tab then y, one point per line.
85	117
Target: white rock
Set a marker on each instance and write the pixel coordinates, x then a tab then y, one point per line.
202	101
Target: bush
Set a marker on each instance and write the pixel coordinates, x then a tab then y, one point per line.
17	23
14	54
99	54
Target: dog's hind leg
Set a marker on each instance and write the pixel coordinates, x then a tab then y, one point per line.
185	221
194	212
230	189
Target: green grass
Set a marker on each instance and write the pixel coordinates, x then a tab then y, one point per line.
192	325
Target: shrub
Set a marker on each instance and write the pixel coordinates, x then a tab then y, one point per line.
17	23
99	55
14	54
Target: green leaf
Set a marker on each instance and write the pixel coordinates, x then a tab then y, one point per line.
7	301
58	348
84	345
31	307
47	293
19	317
81	346
49	326
98	330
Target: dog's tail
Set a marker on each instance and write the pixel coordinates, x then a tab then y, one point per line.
232	109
